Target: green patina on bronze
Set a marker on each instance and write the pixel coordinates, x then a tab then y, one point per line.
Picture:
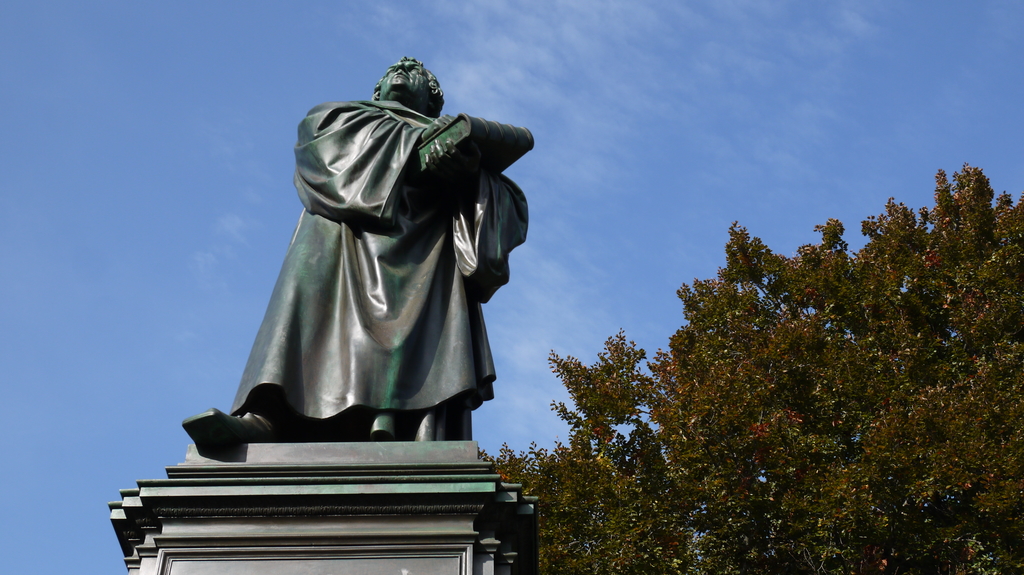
375	322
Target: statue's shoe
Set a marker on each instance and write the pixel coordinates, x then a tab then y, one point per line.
214	428
383	428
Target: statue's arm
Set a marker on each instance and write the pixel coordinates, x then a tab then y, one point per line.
457	166
436	126
350	159
490	223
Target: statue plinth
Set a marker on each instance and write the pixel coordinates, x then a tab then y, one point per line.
401	508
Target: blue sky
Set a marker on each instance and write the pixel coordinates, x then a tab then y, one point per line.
146	198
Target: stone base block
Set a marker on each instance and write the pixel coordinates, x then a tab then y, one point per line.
416	508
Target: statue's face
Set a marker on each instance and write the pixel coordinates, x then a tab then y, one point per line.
407	84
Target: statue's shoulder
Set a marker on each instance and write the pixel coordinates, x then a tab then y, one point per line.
391	109
370	105
332	116
398	111
327	107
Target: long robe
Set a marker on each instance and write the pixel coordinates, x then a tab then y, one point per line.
378	301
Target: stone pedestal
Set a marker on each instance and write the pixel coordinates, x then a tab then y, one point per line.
329	509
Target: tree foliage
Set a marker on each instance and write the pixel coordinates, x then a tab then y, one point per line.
829	412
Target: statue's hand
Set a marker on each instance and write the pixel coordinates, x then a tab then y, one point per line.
451	163
436	126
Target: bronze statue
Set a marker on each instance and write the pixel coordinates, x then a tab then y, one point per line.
374	330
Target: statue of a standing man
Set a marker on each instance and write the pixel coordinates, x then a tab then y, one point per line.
374	330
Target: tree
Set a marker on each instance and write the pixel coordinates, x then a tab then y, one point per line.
829	412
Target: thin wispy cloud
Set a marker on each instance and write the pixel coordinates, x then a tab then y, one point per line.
235	227
229	235
204	268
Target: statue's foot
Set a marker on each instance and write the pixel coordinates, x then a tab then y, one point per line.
214	428
383	428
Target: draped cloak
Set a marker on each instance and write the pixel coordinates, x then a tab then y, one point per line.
378	301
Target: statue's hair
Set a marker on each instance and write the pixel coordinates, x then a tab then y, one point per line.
436	95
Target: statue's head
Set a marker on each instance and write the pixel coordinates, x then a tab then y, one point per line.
413	86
